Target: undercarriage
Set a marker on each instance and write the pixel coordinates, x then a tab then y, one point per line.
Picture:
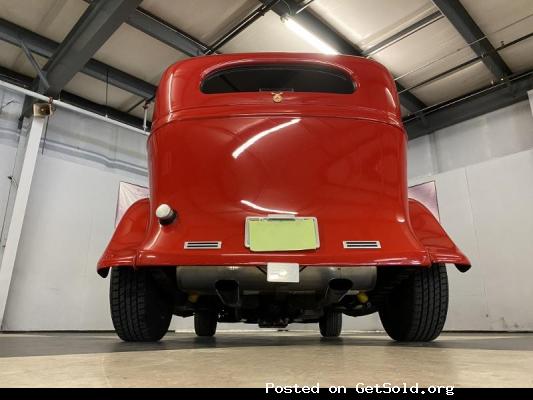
412	301
243	294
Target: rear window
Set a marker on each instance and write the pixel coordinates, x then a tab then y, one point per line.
278	78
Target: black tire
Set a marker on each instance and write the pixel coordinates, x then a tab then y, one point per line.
205	322
139	311
330	324
415	311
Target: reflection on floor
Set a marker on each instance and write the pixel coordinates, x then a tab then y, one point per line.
251	359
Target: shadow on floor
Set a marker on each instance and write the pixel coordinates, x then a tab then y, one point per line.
33	344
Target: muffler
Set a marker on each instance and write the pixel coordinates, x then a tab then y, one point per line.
229	292
337	289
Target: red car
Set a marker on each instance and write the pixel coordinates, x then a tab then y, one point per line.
278	194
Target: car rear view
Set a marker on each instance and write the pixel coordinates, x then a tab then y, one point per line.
278	194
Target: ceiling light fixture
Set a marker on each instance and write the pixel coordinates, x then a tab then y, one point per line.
309	37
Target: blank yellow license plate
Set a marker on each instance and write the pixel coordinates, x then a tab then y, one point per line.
266	234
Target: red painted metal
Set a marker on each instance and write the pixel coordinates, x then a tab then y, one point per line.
128	236
430	233
219	158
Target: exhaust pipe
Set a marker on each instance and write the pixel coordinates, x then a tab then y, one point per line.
228	292
337	289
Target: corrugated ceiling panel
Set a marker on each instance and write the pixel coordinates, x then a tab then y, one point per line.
426	53
367	23
503	22
206	20
495	15
50	18
520	56
9	55
138	54
473	77
17	60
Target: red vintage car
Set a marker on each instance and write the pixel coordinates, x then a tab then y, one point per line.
278	194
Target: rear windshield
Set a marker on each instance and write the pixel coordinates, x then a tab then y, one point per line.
278	78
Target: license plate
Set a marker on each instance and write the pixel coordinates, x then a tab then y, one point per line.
283	272
276	233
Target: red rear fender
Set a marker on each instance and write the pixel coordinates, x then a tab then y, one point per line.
429	232
129	234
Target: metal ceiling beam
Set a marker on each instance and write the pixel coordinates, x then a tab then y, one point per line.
161	30
412	103
474	36
26	82
470	106
242	25
99	21
34	64
342	45
166	33
45	47
467	63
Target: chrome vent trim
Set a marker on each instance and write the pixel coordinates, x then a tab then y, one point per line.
361	244
202	245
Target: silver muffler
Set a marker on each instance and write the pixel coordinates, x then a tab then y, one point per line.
252	280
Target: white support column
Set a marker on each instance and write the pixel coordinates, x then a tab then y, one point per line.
19	210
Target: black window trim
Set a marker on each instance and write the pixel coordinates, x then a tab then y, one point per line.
329	70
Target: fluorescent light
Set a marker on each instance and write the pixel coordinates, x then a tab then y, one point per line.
309	37
238	151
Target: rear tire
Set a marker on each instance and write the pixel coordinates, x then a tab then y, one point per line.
139	311
205	323
415	311
330	324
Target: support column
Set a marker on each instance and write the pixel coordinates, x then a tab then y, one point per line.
19	210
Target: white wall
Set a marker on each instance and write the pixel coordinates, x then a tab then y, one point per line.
483	170
10	104
69	220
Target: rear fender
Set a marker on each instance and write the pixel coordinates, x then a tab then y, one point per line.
128	236
429	232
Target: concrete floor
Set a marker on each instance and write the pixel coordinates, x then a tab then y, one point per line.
250	359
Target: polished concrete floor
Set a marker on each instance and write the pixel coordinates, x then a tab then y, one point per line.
251	359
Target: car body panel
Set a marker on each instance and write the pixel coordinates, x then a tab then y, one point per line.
431	234
217	159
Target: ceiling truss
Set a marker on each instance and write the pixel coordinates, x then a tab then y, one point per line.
422	120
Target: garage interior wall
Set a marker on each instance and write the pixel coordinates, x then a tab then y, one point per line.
483	170
69	219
